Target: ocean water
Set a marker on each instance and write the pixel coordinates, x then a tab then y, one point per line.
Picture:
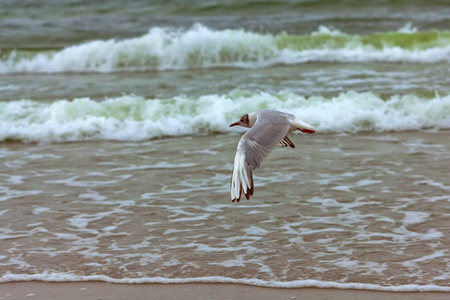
116	155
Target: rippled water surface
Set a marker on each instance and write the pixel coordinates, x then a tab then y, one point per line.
368	208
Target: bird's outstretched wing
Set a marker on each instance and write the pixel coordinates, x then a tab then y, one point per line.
254	146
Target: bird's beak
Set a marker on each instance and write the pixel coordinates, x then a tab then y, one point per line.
235	124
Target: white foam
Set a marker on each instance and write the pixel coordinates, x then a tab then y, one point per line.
35	224
202	47
39	210
81	221
92	195
11	194
255	230
431	234
439	198
66	277
407	28
188	219
365	182
159	49
15	179
415	217
9	87
254	212
342	188
413	263
133	118
433	183
325	30
238	262
159	165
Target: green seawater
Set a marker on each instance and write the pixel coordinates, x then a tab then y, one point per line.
409	41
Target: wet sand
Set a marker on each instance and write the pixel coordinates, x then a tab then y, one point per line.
100	290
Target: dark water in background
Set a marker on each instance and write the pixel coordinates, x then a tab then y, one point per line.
88	193
52	23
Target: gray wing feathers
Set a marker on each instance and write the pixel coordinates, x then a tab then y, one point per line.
242	177
252	149
261	139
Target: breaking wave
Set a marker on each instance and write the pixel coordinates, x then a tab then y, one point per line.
203	47
133	118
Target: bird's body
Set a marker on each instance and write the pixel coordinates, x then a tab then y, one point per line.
268	129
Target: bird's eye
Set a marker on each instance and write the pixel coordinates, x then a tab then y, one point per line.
242	120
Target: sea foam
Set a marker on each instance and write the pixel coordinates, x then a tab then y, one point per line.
203	47
133	118
65	277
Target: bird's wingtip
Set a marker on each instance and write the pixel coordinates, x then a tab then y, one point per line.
310	131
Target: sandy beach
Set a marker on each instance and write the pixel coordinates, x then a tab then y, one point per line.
100	290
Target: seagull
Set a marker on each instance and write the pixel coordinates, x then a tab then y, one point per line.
268	129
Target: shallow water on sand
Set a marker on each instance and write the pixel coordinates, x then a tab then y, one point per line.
359	208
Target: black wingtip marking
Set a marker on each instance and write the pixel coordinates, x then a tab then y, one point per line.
310	131
252	187
286	142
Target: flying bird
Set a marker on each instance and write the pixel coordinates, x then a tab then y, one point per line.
268	129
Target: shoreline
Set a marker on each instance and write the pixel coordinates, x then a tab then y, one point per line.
38	290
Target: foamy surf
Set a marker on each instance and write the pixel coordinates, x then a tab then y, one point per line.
308	283
203	47
133	118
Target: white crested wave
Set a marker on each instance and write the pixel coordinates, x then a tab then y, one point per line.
408	28
202	47
133	118
159	49
65	277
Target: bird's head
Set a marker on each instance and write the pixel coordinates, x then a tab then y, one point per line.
243	121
